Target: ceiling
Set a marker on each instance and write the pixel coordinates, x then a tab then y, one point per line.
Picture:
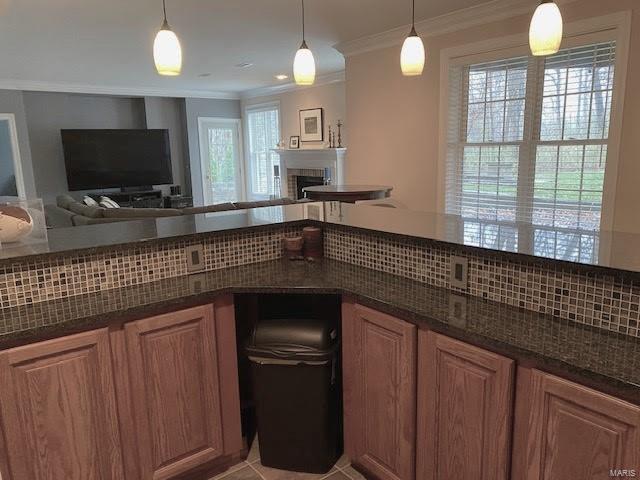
108	43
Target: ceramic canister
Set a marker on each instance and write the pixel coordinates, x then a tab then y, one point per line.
15	223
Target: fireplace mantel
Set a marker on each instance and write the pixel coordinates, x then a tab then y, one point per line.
312	158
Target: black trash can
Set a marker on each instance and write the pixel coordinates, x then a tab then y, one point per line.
295	366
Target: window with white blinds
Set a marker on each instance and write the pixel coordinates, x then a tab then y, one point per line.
263	135
527	138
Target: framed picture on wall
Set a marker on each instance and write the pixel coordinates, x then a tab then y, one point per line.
294	142
312	125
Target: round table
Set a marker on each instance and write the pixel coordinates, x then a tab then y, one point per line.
346	193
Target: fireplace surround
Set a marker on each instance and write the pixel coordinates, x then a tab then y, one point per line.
306	162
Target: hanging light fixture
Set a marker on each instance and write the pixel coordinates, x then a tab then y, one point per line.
304	65
545	31
167	53
412	55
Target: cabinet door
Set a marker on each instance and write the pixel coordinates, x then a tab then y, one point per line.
464	411
59	411
565	431
175	391
379	355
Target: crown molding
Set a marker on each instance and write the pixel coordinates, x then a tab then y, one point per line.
335	77
26	85
491	11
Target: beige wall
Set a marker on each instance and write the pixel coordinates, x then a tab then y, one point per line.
627	213
331	97
394	120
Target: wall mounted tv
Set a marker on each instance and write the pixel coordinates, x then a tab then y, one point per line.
97	159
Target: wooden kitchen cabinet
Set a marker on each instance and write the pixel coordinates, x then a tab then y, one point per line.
379	373
464	411
184	389
58	410
153	400
567	431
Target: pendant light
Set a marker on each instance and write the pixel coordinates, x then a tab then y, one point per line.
304	65
412	55
167	53
545	31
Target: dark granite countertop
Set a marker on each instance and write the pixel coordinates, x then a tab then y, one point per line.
604	252
88	239
604	360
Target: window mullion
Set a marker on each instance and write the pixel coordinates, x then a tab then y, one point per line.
581	190
526	163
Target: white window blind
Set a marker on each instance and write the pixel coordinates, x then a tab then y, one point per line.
263	135
527	138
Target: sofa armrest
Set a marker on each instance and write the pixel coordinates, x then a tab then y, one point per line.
57	217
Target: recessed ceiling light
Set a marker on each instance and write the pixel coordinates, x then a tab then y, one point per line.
244	65
282	76
204	75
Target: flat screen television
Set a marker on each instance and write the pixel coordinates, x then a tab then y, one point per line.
97	159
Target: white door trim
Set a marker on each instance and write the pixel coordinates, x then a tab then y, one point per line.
15	149
240	182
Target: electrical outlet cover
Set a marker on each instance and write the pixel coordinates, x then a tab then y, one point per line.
459	275
197	283
195	258
458	311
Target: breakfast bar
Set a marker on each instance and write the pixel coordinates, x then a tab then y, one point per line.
150	329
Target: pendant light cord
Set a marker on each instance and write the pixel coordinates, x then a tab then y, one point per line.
302	20
164	9
413	13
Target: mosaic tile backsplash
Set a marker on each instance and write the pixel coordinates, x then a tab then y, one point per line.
50	279
596	300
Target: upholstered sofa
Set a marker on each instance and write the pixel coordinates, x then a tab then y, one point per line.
69	212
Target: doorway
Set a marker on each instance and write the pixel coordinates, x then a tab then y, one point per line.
221	160
11	179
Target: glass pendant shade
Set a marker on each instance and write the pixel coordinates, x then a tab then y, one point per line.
412	57
167	53
545	32
304	66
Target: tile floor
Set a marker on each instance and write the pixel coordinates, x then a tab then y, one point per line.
252	469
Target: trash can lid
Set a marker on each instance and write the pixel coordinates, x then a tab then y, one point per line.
297	339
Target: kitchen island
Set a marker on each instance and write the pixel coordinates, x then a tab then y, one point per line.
527	334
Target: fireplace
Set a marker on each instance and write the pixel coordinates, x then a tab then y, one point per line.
303	181
309	162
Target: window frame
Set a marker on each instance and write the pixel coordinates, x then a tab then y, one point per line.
614	27
251	108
